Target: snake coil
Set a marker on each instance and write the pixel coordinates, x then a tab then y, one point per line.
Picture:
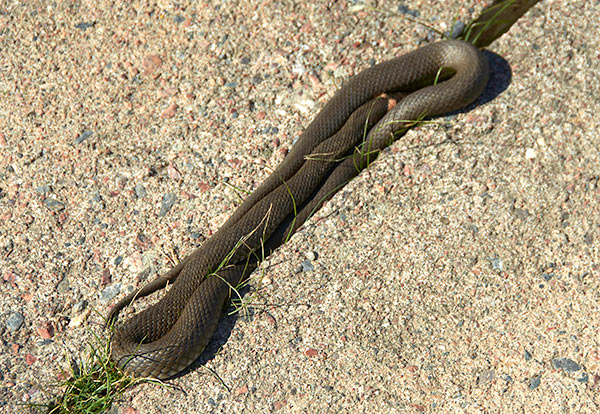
167	337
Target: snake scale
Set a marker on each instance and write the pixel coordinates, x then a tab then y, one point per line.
371	110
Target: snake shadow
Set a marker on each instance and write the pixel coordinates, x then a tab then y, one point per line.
499	81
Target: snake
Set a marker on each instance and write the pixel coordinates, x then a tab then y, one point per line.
368	113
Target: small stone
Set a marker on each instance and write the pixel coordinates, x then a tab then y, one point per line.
83	136
84	25
43	189
97	197
530	153
304	105
278	405
535	382
140	191
134	263
527	356
54	205
457	29
307	266
486	376
203	187
30	359
496	263
402	8
118	260
167	202
170	111
521	213
106	277
241	390
270	130
151	64
110	292
173	172
79	319
566	364
79	306
63	286
46	331
547	276
14	321
311	352
310	255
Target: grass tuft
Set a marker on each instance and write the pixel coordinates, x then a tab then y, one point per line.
91	385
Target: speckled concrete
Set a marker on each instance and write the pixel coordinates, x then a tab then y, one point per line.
460	273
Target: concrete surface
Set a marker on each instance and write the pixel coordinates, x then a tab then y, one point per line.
460	273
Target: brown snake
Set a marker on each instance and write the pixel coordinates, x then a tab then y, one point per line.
342	140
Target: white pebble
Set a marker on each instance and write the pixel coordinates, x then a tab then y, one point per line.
530	153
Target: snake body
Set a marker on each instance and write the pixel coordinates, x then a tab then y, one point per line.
343	139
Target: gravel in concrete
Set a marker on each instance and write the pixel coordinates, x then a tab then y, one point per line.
460	273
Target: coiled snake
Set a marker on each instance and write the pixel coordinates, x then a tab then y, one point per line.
363	117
